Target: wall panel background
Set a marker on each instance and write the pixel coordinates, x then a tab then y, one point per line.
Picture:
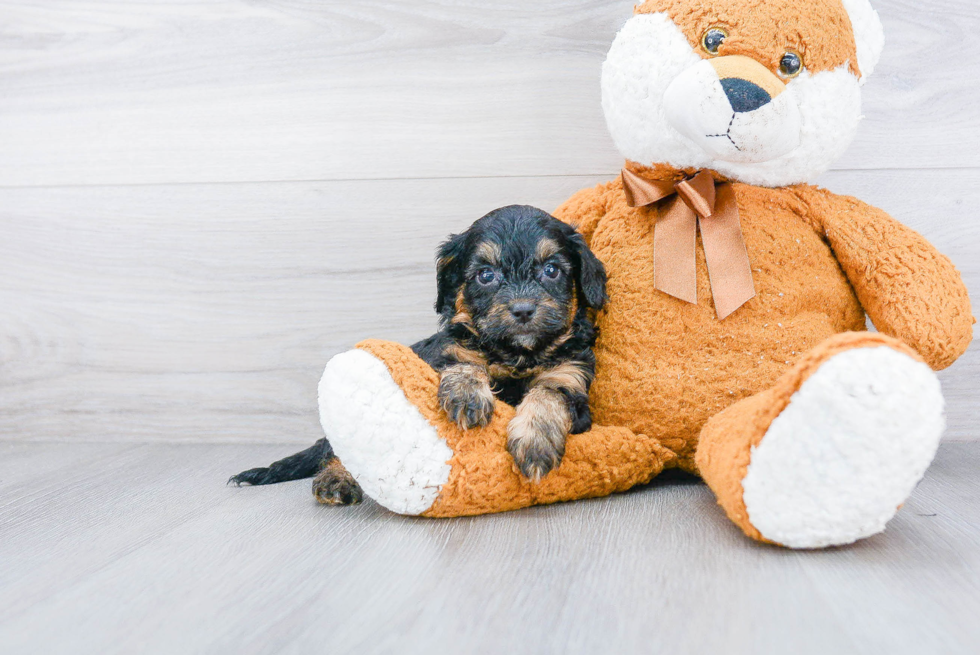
202	202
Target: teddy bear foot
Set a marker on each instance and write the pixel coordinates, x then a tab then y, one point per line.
395	455
829	453
835	465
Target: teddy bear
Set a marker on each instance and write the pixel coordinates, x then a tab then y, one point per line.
734	344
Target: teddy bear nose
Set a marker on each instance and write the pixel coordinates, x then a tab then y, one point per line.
745	96
747	84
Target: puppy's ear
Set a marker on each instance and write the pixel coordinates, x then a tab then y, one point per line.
591	273
450	270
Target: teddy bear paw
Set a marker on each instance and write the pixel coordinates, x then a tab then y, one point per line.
847	451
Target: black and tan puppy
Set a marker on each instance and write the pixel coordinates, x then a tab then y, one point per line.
517	296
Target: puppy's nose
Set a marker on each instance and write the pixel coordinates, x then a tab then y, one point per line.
523	311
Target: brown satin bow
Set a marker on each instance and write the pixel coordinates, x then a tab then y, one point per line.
699	202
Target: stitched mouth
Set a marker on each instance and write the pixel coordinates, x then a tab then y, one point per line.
728	133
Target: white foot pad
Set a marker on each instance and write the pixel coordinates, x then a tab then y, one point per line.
380	437
849	448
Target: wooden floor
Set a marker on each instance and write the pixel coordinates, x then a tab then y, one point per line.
108	548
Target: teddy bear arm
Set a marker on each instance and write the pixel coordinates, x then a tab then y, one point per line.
908	288
584	210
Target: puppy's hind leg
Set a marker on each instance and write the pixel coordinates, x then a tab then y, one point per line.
334	485
304	464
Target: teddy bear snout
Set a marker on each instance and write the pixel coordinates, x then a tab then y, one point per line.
745	96
734	109
746	82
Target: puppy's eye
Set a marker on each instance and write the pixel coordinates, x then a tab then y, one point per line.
712	39
486	276
551	271
790	65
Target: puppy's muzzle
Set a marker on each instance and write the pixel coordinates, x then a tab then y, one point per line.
523	311
735	109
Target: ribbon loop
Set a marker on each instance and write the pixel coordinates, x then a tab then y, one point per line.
699	202
641	192
698	193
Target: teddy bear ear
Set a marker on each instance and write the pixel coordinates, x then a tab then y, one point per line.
868	34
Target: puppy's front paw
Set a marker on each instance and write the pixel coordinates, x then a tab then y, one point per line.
465	395
334	485
536	434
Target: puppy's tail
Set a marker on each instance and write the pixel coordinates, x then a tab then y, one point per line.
304	464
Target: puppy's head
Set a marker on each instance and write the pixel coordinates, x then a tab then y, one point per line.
517	279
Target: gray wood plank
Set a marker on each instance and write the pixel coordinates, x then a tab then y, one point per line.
161	92
935	586
195	312
147	551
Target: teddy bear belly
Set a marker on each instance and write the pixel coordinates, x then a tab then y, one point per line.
664	366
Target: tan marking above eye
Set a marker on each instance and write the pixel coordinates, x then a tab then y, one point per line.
489	252
546	248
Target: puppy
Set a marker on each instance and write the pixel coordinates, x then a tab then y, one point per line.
517	296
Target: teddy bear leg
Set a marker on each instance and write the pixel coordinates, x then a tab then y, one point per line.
380	411
383	439
827	455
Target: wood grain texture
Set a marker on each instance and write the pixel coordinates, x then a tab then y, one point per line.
139	548
199	312
135	92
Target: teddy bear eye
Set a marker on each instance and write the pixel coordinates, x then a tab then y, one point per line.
712	40
791	64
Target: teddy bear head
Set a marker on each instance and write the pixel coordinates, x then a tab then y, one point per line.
766	92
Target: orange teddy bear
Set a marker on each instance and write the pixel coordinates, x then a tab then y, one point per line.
734	343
